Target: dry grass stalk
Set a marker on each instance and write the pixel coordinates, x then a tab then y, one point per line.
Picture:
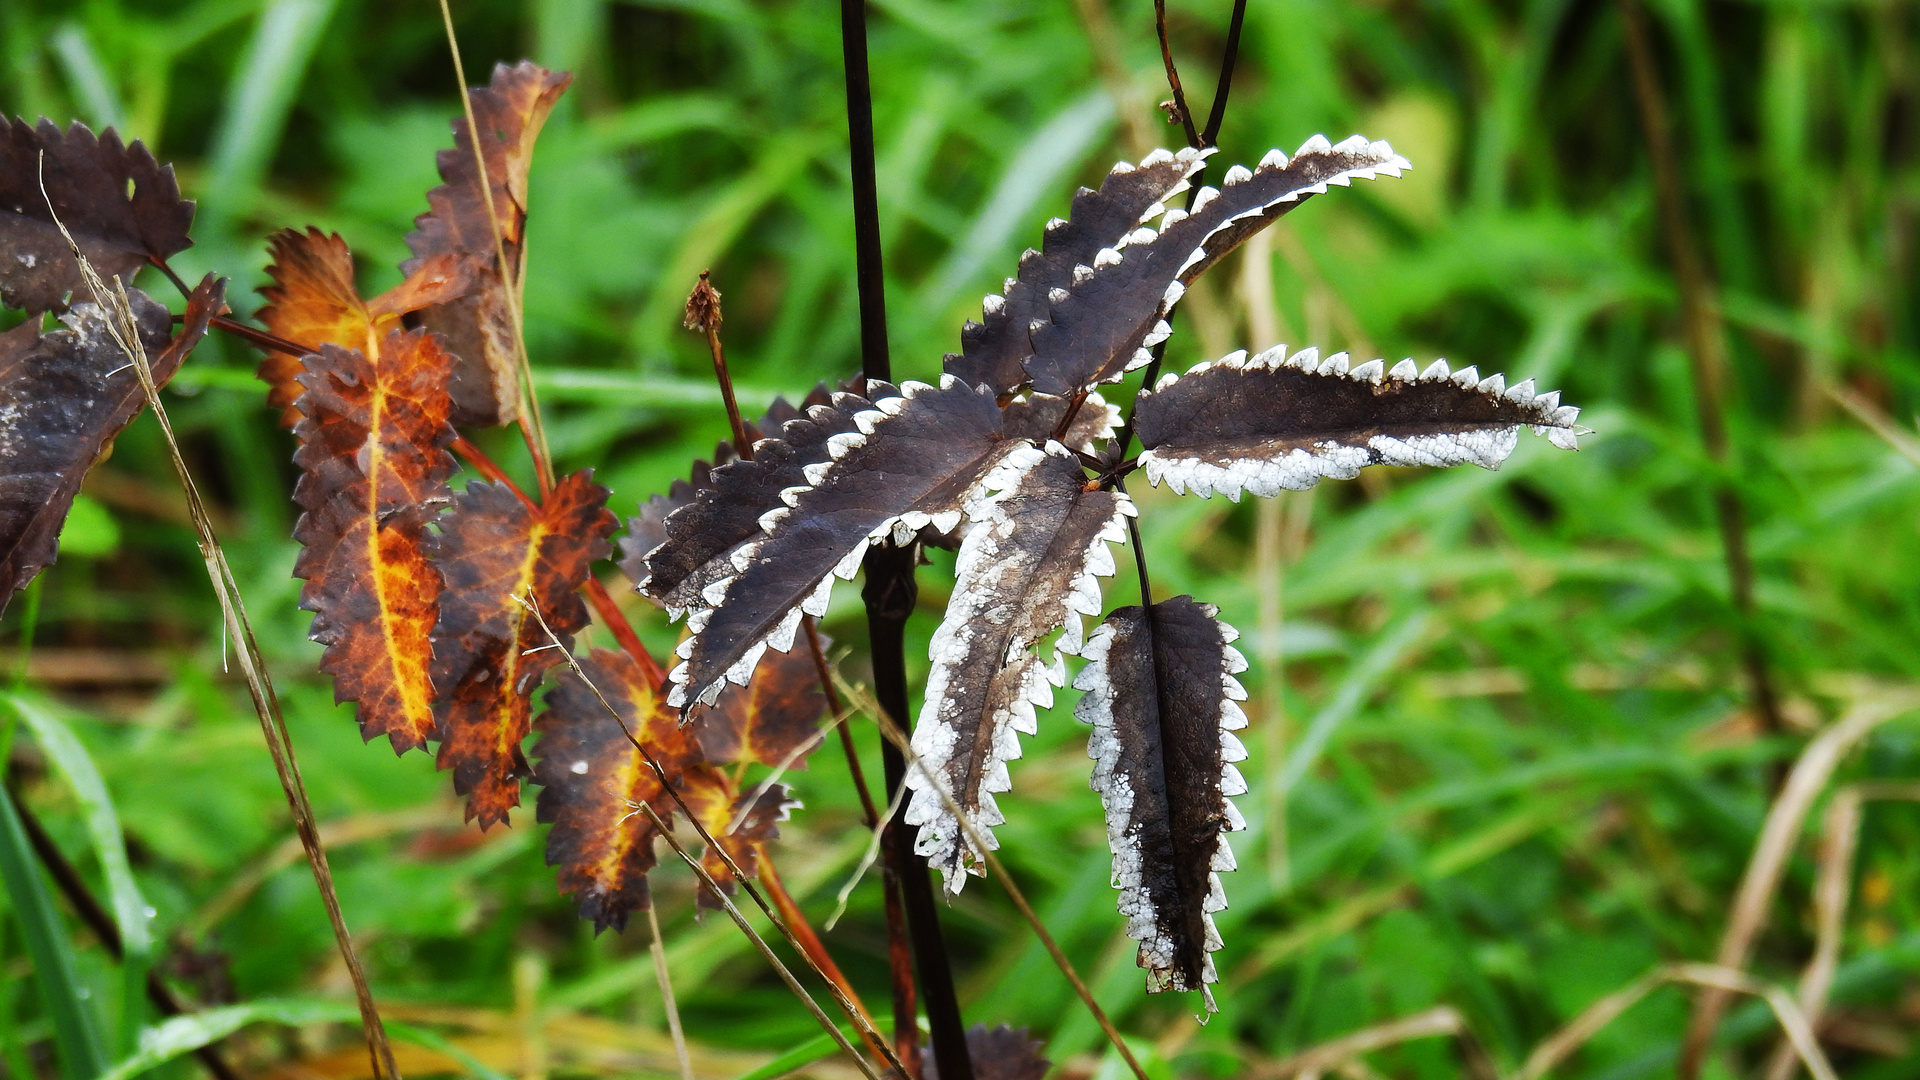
1716	978
1839	839
124	329
1332	1056
1778	836
659	951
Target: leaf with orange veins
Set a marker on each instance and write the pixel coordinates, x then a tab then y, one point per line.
592	783
489	651
712	797
313	302
768	720
479	323
373	473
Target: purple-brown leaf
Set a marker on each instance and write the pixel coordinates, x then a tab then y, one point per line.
1160	693
63	397
1030	565
122	207
1274	421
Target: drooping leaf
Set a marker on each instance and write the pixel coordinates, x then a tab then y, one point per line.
489	652
995	350
703	534
1031	565
768	720
1160	693
1115	309
711	797
478	325
1000	1053
374	469
313	302
911	461
592	783
122	207
1276	421
63	397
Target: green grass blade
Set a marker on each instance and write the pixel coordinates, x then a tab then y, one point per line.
806	1053
76	1030
57	741
258	101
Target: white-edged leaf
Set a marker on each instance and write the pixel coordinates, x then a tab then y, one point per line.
1030	565
1277	421
1160	693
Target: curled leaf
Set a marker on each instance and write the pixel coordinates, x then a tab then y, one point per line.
1115	309
1275	421
711	796
63	397
478	325
1160	693
122	207
1000	1053
374	471
489	651
911	461
994	351
1030	566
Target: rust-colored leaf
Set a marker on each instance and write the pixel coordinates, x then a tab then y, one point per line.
478	324
592	784
122	207
768	719
490	653
63	397
373	473
709	795
313	302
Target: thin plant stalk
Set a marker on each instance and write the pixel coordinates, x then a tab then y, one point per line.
239	629
1441	1022
847	1004
510	275
1771	852
658	948
1705	337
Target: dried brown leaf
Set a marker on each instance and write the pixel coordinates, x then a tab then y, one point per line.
373	473
478	324
489	652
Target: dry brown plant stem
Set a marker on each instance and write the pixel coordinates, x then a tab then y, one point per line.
1839	838
531	425
1179	104
1771	851
1433	1023
1705	336
857	1013
658	949
266	703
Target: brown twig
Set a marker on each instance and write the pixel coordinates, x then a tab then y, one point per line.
1178	106
530	423
74	888
703	314
1706	352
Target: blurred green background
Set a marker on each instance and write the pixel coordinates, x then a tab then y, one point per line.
1501	753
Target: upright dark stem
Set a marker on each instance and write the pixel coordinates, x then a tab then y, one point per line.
889	597
1706	351
1218	114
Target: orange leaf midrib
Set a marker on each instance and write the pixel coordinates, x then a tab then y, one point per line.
417	706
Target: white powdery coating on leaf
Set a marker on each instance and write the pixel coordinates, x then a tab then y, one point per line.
1301	468
1157	951
981	608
